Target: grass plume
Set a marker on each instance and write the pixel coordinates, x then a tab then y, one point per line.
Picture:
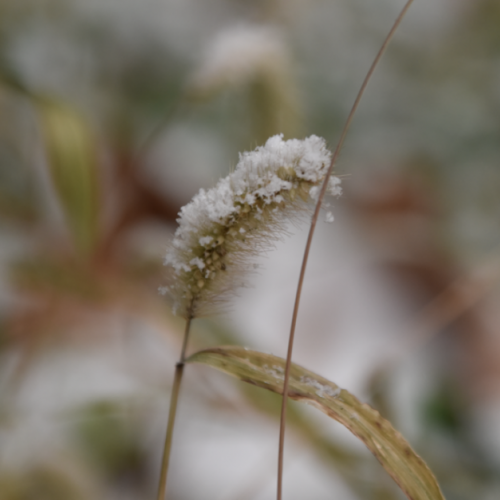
221	229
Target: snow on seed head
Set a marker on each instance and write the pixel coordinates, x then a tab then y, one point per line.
222	228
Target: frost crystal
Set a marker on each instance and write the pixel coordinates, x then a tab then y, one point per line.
243	214
275	371
322	390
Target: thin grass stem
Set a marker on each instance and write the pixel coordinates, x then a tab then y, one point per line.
179	370
309	241
146	144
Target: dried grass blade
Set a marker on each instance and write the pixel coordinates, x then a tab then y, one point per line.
407	469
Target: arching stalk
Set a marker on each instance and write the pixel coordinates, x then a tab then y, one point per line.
309	241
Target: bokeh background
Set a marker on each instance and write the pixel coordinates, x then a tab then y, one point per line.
114	113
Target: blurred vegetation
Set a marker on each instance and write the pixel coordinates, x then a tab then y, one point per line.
103	126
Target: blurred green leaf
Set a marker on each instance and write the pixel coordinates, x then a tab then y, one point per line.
40	483
445	409
72	160
394	453
111	442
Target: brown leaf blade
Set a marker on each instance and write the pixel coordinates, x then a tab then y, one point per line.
407	469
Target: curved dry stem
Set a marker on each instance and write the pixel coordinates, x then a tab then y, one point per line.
179	370
310	237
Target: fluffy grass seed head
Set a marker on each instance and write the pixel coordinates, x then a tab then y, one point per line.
239	55
222	228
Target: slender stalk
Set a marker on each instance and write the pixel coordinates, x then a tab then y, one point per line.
309	241
179	370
